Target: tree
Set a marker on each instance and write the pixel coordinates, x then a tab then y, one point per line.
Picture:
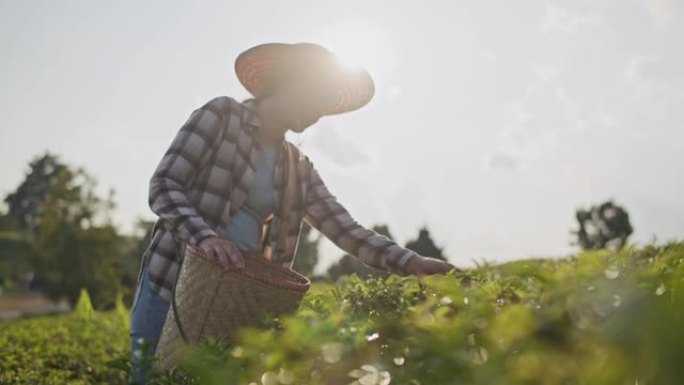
383	230
424	245
24	204
14	267
306	257
602	226
75	244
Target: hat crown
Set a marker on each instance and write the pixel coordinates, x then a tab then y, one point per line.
261	67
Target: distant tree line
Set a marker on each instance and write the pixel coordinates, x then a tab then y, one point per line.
57	236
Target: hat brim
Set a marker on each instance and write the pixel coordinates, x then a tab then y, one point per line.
259	65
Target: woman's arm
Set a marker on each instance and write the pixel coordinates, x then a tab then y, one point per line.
167	195
326	214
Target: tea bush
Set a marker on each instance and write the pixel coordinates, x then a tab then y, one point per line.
599	317
72	348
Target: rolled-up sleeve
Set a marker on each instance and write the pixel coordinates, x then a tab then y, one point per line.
331	218
183	158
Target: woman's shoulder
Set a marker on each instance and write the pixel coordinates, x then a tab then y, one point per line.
225	105
238	115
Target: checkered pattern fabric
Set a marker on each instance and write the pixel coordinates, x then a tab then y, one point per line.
207	173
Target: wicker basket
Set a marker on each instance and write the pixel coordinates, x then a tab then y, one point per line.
209	301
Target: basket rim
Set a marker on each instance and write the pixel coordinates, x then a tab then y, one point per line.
292	280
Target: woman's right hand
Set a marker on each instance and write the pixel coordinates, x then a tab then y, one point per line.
224	251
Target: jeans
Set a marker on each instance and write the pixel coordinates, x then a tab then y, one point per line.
147	318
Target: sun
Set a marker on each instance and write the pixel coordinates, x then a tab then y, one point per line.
359	44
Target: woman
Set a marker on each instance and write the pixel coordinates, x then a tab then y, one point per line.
219	184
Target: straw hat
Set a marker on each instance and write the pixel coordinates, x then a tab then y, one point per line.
261	67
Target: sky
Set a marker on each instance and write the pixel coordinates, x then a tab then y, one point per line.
492	122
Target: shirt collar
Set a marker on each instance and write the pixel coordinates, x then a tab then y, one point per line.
251	115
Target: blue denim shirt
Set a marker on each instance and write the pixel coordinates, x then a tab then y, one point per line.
245	226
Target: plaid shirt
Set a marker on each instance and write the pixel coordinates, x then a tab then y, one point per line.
207	173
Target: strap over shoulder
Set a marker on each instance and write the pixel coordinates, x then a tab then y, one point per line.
292	155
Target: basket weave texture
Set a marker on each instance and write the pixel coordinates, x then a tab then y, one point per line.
210	301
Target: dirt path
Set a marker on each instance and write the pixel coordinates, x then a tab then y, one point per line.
29	304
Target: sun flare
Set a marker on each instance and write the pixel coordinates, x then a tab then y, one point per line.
358	44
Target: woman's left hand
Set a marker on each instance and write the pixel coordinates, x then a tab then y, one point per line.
420	265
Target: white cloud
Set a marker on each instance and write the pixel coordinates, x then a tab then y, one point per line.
664	12
557	19
538	118
657	86
334	146
500	159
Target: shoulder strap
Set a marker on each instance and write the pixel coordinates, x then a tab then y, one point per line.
288	194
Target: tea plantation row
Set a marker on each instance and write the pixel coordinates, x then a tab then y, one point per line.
595	318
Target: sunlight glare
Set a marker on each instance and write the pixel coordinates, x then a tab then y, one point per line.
359	44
